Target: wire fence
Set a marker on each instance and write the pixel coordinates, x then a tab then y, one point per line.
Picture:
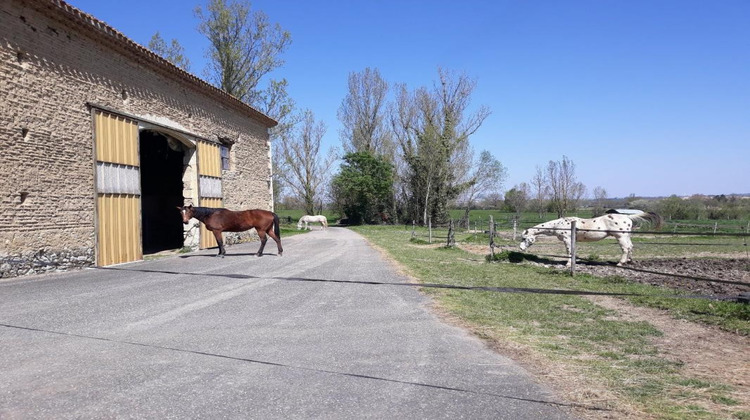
437	232
509	221
671	243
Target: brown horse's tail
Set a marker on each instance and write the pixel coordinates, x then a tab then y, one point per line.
276	228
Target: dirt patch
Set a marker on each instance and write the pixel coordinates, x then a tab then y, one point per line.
697	274
720	278
714	276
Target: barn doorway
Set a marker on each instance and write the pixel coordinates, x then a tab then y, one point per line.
161	191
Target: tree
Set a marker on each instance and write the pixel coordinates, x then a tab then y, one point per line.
643	204
174	53
432	132
600	195
673	208
276	103
566	190
541	191
244	47
301	165
362	190
516	198
487	176
578	194
493	200
363	115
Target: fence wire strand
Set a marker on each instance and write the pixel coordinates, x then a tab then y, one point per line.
744	235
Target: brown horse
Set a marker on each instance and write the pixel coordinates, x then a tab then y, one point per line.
222	220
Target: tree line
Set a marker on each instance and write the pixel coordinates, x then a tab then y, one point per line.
406	152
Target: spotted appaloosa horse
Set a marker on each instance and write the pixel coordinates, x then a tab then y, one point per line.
618	226
222	220
307	219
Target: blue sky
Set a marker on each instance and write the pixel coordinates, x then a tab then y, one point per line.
646	97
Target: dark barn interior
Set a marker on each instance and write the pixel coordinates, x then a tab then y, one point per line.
161	192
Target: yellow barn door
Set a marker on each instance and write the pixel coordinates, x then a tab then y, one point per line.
209	175
118	190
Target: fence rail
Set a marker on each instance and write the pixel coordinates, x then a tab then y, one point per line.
445	234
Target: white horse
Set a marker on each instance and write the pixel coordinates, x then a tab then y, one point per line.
618	226
312	219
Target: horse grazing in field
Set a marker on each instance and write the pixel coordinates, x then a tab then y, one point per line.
222	220
312	219
618	226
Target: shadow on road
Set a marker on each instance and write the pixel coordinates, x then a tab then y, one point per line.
422	285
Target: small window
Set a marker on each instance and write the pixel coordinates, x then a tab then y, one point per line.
224	157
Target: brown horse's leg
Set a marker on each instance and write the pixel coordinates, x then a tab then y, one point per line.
277	239
275	232
220	241
263	239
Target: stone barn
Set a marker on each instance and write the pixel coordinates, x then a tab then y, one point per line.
102	139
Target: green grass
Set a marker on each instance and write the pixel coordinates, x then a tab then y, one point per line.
570	329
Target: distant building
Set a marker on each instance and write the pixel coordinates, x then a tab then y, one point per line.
102	139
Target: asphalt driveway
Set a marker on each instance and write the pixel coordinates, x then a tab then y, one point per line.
330	330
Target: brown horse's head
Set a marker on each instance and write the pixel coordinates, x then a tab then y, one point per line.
187	213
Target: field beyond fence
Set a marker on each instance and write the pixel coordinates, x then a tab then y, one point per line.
710	260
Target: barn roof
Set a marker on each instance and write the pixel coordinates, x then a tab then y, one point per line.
124	44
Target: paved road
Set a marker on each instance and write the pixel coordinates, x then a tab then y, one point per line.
306	335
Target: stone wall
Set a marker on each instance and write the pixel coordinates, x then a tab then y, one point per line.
52	69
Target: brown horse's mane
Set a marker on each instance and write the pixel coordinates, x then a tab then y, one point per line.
201	213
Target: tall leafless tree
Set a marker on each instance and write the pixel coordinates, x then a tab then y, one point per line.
600	196
363	114
566	191
486	176
302	165
540	190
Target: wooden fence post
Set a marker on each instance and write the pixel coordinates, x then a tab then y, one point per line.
429	227
573	233
451	237
515	229
413	226
492	239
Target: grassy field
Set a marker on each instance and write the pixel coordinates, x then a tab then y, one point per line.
479	219
617	356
